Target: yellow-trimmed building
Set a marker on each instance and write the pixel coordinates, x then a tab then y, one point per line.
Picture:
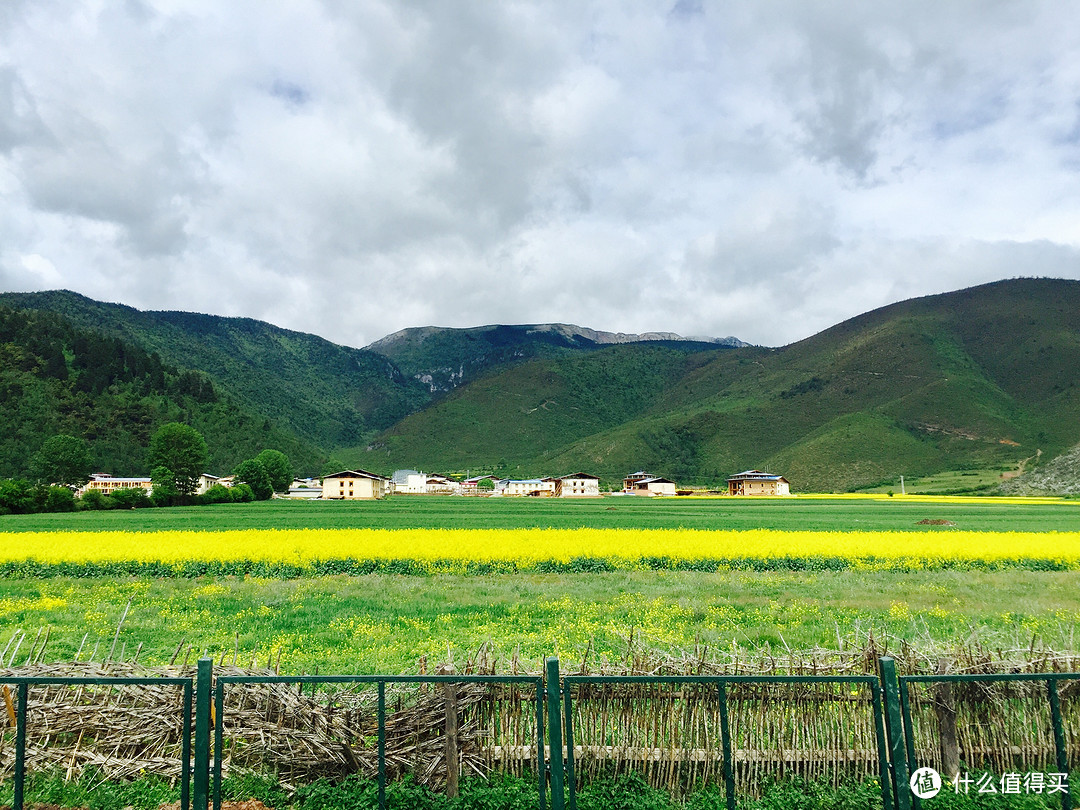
353	485
107	484
756	482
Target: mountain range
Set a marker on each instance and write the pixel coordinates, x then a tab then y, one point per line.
982	378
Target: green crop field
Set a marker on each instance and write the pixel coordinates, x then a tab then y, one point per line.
429	512
386	622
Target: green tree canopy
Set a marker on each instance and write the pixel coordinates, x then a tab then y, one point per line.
165	492
63	460
254	474
181	449
279	469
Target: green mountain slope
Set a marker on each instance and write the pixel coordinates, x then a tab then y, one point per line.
328	395
444	358
981	377
58	378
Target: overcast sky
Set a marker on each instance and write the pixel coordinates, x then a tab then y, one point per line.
761	168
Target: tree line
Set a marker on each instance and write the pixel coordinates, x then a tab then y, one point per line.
178	455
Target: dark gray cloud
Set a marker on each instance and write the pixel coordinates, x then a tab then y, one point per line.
353	168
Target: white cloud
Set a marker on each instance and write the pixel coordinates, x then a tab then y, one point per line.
351	169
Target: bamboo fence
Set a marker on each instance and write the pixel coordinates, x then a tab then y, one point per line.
668	733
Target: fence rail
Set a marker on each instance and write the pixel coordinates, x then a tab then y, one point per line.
680	732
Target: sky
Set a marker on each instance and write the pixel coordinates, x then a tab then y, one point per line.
756	168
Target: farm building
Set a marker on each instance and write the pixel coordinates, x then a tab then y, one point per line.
354	485
409	482
305	488
537	487
649	485
442	485
756	482
577	485
470	486
107	484
630	480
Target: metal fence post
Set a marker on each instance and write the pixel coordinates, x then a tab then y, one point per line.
570	777
725	739
1059	740
381	742
555	758
200	790
895	728
540	770
20	746
876	697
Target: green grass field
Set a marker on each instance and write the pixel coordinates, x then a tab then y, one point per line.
384	623
423	512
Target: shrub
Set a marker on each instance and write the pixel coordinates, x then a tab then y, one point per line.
134	498
241	493
94	499
58	499
218	493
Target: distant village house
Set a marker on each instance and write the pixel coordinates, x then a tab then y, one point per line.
643	483
353	485
577	485
756	482
536	487
107	484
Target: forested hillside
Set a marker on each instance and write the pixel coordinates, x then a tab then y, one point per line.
444	359
981	378
984	378
326	394
58	378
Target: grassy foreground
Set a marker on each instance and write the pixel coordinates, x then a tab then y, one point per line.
803	513
385	623
624	792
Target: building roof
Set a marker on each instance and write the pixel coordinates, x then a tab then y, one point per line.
756	475
580	475
654	481
356	474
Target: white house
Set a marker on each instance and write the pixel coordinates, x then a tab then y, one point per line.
206	480
442	485
756	482
651	486
410	482
107	484
577	485
542	487
471	486
354	485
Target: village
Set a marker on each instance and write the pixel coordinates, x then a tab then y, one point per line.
364	485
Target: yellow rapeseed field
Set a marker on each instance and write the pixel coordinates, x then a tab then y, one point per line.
527	547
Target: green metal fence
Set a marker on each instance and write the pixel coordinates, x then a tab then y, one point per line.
676	748
22	703
943	704
380	682
574	726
